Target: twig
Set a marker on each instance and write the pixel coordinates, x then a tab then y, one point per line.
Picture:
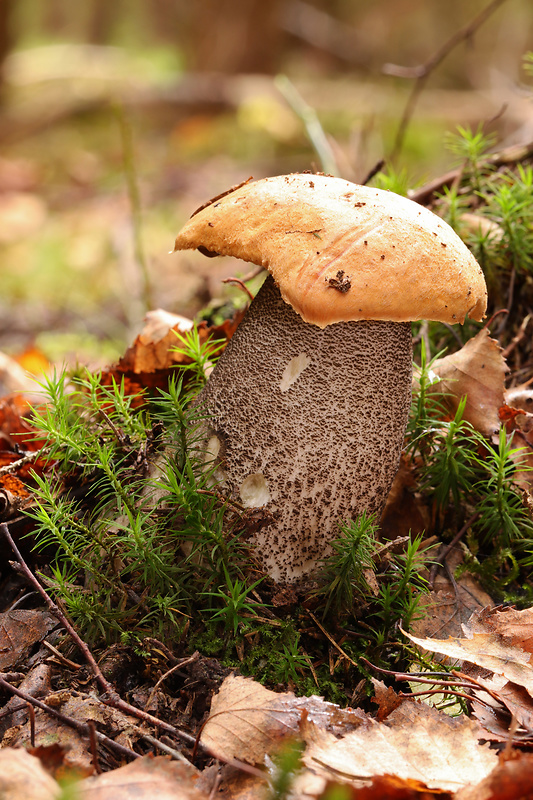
113	699
465	681
55	610
81	727
165	748
65	661
240	283
332	640
31	712
181	663
21	462
505	157
93	745
422	72
515	341
439	561
313	128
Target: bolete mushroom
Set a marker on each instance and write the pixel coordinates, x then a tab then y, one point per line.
308	404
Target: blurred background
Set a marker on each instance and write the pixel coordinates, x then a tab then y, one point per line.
118	119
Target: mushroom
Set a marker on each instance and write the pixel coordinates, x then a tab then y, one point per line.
308	404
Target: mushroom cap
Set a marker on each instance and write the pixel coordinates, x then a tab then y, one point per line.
341	252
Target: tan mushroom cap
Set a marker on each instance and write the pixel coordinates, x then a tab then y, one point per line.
341	252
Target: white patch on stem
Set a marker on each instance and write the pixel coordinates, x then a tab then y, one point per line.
254	491
293	370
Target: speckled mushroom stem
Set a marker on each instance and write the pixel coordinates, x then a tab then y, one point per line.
309	424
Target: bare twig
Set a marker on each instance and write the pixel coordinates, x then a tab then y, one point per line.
422	72
113	698
332	640
165	748
21	462
439	561
93	744
240	283
81	727
65	661
515	341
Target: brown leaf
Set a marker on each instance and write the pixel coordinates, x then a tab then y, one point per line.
144	779
389	787
448	606
152	358
386	698
417	743
20	630
491	646
248	721
513	627
477	370
509	780
81	708
22	777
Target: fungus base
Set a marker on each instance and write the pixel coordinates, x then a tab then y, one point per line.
308	424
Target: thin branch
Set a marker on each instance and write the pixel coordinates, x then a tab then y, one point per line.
422	72
81	727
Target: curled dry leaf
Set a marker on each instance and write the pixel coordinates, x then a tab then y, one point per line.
417	743
500	640
248	721
153	356
477	370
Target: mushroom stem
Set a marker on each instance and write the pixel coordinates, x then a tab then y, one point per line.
309	424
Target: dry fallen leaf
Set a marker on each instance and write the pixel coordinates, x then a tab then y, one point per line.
486	651
512	779
81	708
477	370
144	779
248	721
416	742
20	630
22	777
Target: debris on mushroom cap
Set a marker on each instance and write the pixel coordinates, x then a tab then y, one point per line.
339	251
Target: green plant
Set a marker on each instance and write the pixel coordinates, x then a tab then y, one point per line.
201	354
471	147
113	524
400	588
448	474
343	572
237	608
503	516
393	180
459	470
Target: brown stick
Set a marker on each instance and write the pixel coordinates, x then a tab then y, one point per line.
81	727
422	72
